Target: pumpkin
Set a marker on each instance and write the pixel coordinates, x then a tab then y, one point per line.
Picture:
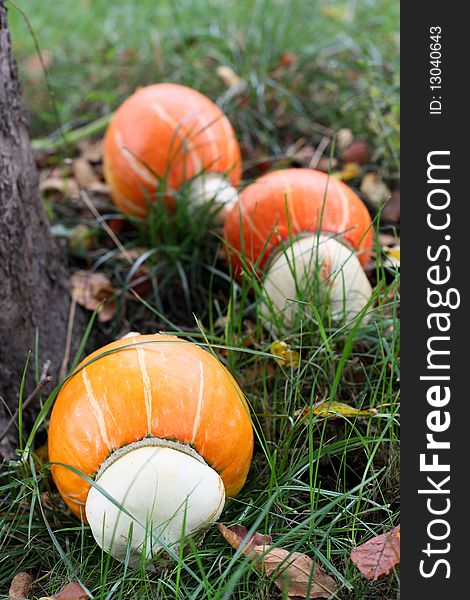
163	428
292	223
163	136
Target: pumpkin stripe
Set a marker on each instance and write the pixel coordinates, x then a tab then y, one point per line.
233	144
98	413
289	205
208	131
200	402
146	383
186	142
137	167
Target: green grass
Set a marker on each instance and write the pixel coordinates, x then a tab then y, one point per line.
318	486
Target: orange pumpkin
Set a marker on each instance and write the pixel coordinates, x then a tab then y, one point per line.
291	202
145	388
161	137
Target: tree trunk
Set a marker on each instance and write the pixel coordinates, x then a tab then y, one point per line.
34	295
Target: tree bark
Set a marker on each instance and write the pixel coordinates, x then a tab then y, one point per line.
34	295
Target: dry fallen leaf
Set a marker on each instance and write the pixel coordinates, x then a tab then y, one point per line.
344	138
336	410
326	164
358	151
100	187
132	254
287	59
375	191
378	556
93	291
300	151
65	186
20	586
72	591
230	78
391	211
295	573
83	172
351	170
91	151
285	356
387	240
237	534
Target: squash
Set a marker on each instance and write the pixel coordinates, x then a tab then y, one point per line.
163	428
293	223
164	136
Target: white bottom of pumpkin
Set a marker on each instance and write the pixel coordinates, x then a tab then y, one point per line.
317	267
214	187
150	495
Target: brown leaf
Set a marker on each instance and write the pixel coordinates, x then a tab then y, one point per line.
287	59
91	151
378	556
391	211
72	591
93	291
133	253
295	573
99	187
83	172
20	586
326	164
300	152
236	534
358	151
387	240
375	191
65	186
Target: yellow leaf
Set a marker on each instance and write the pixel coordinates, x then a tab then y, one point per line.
393	254
285	356
350	170
42	454
229	77
336	13
336	410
